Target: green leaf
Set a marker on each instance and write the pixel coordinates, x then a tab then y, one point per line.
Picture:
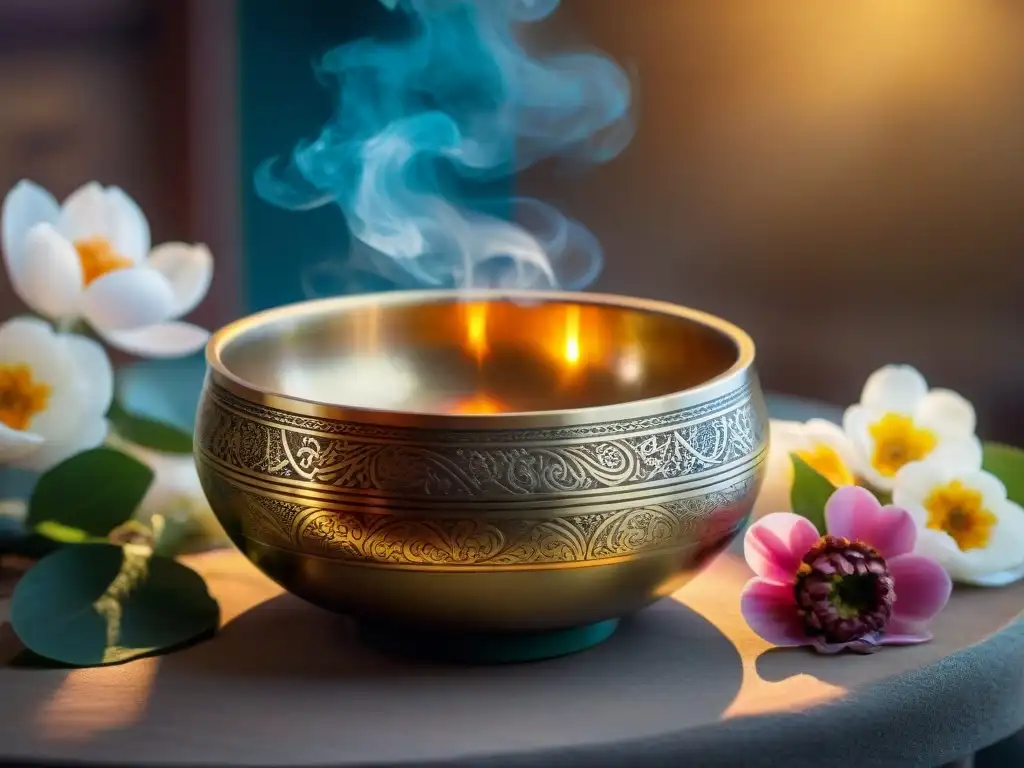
809	493
1006	463
149	433
98	604
93	492
64	534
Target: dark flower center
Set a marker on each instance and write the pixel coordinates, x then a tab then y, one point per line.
843	590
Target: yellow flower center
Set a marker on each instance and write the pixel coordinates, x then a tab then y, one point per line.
898	441
98	257
957	510
827	462
21	396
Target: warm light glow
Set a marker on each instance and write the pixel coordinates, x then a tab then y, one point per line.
479	403
572	335
715	595
631	366
476	330
91	702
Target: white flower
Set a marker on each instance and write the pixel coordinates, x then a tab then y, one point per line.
91	259
55	390
964	520
898	420
820	443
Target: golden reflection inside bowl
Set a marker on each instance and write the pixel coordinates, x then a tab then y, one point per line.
445	355
479	404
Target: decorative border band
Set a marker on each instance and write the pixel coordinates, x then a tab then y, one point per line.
356	430
701	523
481	465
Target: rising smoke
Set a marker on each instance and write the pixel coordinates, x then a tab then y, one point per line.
424	124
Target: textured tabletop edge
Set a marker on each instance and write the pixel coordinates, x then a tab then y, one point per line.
930	716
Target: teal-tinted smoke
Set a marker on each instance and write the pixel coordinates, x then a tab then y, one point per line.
424	122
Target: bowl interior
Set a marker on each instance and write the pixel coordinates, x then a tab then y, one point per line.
489	356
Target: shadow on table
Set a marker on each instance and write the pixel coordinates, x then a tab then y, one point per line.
285	637
843	669
285	661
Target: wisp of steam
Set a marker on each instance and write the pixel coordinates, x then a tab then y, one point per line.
423	124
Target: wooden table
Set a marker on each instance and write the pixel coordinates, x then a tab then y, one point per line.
684	682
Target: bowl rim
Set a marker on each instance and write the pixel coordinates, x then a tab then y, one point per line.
741	372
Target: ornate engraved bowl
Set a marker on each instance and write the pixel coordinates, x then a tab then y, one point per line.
522	466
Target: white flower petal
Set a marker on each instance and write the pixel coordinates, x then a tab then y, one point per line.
991	488
940	546
15	444
26	205
1005	549
52	362
786	432
962	454
129	228
127	299
85	436
175	339
189	270
97	375
855	427
823	432
916	480
856	422
894	389
946	412
32	342
50	277
1000	579
63	412
86	214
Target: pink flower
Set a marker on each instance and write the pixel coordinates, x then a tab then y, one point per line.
855	588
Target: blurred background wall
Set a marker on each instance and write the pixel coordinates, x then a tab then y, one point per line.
844	180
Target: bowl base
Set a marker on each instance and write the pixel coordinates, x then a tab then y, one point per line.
483	647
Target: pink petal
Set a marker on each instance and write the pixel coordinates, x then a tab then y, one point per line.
770	610
922	589
774	545
853	513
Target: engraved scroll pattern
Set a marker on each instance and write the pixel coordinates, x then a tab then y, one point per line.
442	469
389	539
377	432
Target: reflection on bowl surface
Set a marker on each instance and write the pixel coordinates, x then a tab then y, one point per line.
431	356
499	462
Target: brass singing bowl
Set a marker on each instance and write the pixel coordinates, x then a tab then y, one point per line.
494	462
